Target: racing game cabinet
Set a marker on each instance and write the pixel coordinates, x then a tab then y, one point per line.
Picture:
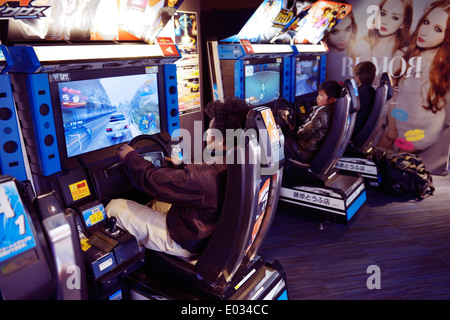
230	268
357	157
317	187
45	88
39	258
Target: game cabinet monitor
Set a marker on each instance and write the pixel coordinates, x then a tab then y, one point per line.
98	109
262	81
308	73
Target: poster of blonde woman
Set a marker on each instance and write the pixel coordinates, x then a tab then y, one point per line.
410	39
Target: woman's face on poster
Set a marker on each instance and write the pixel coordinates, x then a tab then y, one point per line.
341	34
392	17
432	31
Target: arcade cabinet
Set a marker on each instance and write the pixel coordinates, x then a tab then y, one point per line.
77	104
262	73
317	187
257	73
11	155
29	269
357	157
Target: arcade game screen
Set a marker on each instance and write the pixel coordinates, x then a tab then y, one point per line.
262	82
306	76
99	113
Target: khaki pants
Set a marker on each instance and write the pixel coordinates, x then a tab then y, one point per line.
147	224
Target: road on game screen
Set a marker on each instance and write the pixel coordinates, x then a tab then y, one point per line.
92	136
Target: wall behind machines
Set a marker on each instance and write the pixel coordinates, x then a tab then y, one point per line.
194	120
219	19
412	128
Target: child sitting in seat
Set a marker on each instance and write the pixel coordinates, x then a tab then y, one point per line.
303	144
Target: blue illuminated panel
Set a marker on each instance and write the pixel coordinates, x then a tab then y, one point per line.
16	235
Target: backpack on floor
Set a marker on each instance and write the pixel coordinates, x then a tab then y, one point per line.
403	174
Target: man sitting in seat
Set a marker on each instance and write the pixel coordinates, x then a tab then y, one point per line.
364	76
303	144
189	197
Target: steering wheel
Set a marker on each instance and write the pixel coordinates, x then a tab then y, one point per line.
107	167
285	115
135	140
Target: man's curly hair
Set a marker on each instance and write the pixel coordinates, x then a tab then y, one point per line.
229	114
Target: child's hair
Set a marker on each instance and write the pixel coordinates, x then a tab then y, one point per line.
366	72
332	88
229	114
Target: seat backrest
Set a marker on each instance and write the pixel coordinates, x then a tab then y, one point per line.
251	197
271	140
367	136
335	142
226	248
351	87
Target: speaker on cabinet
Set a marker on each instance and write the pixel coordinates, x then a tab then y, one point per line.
43	122
11	156
171	97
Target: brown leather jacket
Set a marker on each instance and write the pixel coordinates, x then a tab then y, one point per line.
310	135
196	192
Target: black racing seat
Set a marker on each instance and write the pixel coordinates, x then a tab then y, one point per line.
323	162
364	140
355	105
252	192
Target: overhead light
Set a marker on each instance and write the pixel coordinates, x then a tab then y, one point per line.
270	48
304	48
95	52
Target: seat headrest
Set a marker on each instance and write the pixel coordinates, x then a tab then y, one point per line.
386	79
270	137
351	88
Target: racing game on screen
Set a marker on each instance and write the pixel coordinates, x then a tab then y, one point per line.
262	83
99	113
306	76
